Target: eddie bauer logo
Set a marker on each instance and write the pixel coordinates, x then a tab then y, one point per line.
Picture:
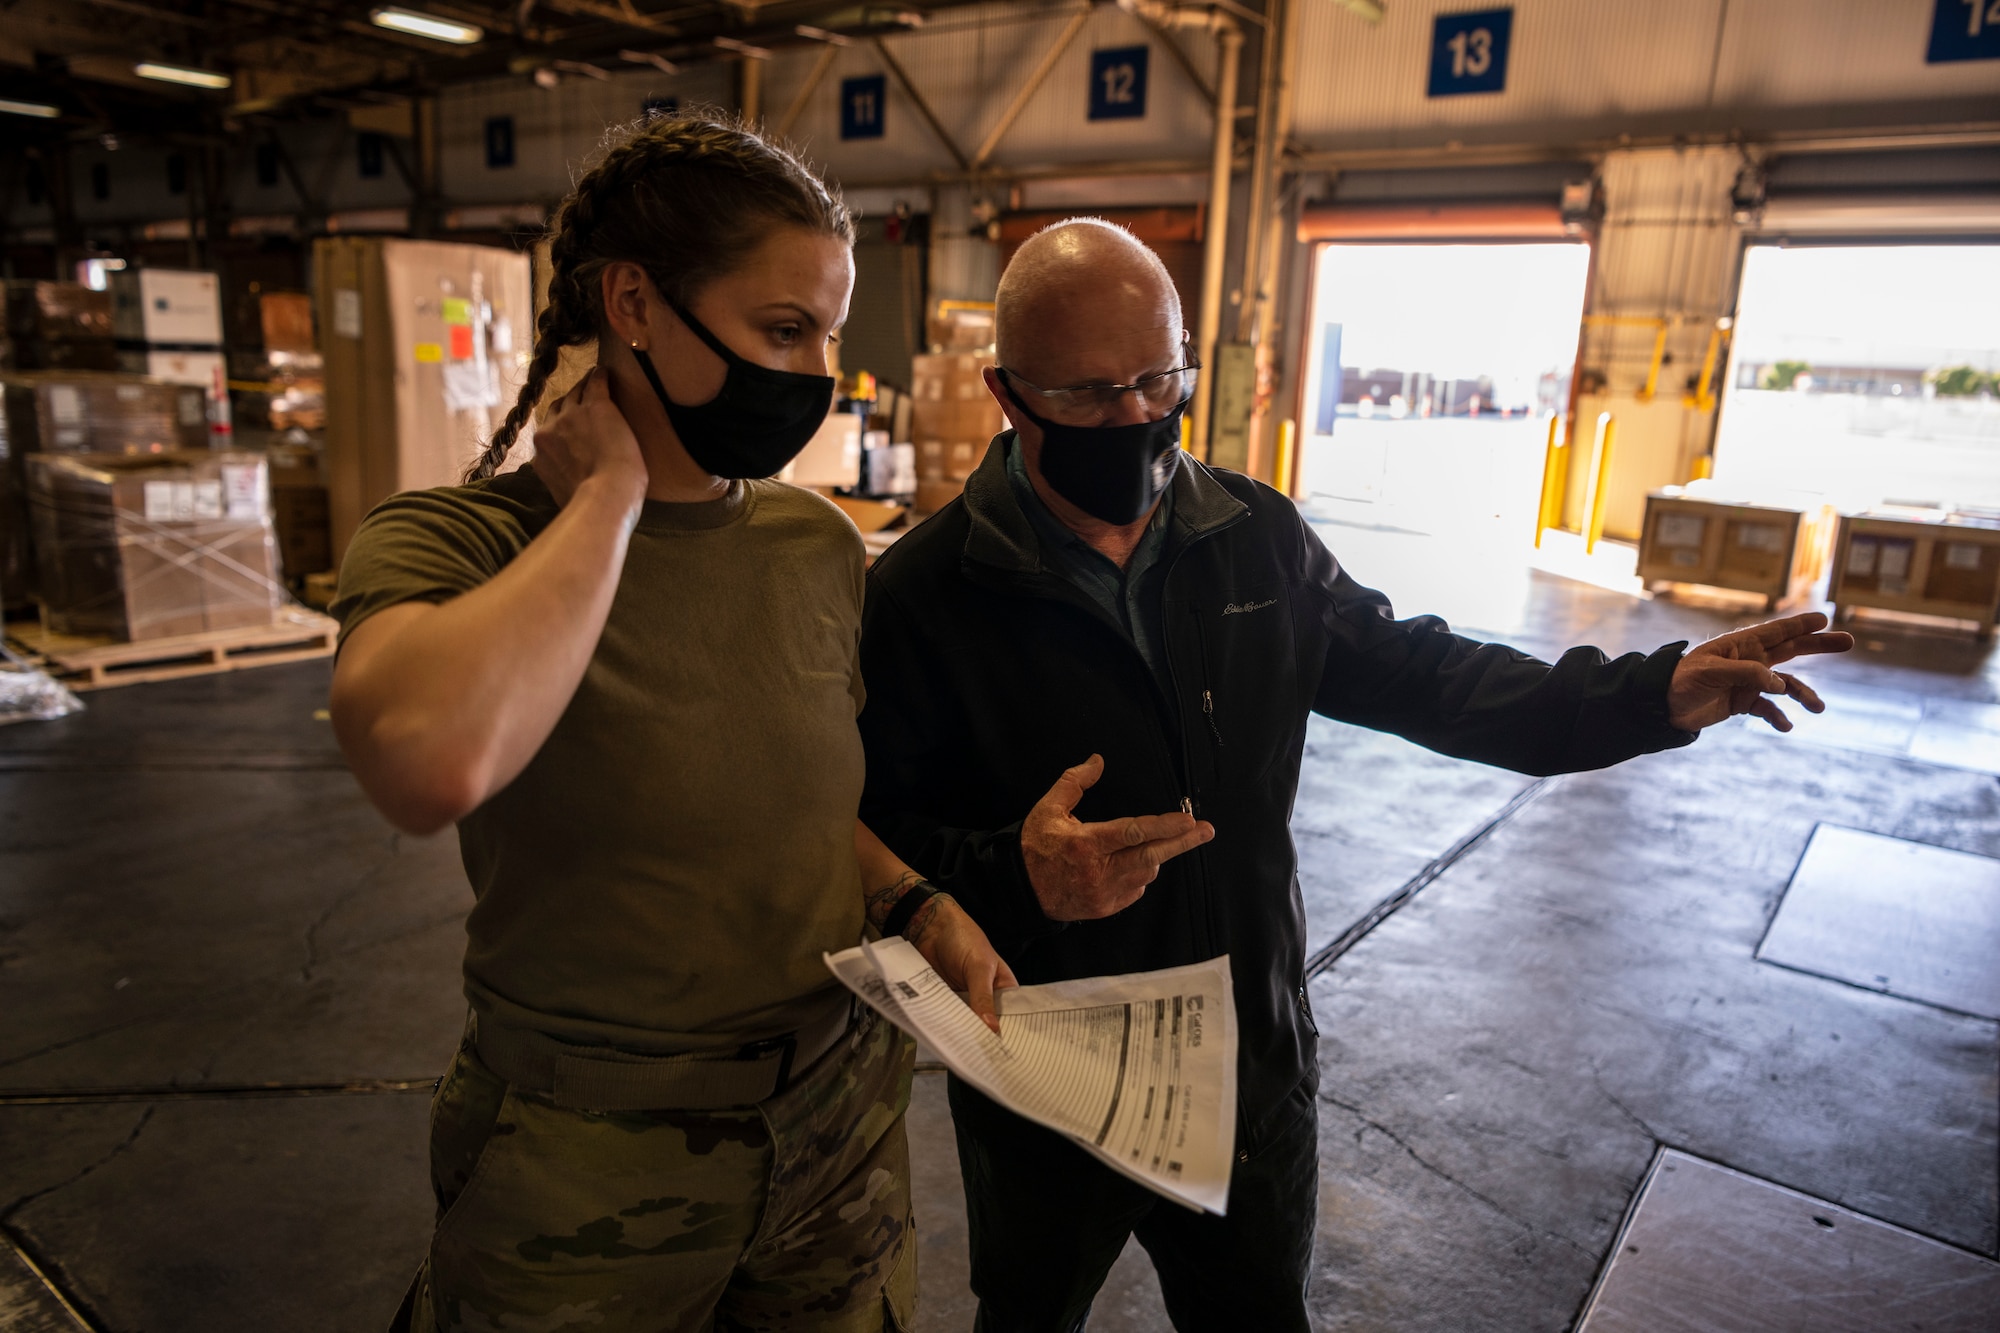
1245	608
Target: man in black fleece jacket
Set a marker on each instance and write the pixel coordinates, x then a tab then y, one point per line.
1098	593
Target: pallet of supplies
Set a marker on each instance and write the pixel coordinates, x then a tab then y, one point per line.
952	416
85	411
136	548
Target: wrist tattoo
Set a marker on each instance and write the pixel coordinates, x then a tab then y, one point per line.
926	917
882	901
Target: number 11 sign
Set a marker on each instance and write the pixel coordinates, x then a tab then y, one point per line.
1469	52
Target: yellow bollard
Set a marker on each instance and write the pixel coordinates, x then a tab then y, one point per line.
1600	480
1555	473
1288	432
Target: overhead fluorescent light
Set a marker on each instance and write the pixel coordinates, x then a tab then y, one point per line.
812	34
193	78
744	49
29	109
426	25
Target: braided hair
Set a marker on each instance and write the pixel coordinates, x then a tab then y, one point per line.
686	196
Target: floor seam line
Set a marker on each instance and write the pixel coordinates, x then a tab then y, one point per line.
1325	957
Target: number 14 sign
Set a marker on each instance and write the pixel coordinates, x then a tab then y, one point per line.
1964	30
1469	52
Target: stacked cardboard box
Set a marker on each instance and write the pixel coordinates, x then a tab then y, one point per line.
58	326
299	512
953	417
79	412
169	325
290	368
425	346
960	326
150	547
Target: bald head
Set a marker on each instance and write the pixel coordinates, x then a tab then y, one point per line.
1085	301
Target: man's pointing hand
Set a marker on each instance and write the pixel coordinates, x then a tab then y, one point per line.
1084	871
1732	673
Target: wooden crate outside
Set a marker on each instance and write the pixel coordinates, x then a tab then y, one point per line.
1927	564
1774	552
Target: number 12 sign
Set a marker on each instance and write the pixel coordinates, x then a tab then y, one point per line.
1118	83
1469	52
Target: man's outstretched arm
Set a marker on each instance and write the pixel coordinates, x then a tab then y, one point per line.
1494	704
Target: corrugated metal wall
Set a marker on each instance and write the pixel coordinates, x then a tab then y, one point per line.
1592	69
968	65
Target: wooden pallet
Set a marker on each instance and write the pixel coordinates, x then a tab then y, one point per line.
297	635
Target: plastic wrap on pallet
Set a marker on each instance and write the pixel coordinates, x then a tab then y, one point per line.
150	547
80	412
28	694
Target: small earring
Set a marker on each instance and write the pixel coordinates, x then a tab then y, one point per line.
635	344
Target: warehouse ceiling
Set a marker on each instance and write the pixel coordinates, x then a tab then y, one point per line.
325	56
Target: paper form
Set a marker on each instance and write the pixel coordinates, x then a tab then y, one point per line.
1139	1069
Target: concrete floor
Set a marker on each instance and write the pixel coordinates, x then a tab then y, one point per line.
229	985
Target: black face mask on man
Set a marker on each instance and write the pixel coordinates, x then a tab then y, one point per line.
759	420
1112	473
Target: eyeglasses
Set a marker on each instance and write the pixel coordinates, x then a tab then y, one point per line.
1088	404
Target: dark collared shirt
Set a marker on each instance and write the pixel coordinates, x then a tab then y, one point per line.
1132	597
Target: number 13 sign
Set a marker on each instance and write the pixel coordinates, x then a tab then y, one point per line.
1469	52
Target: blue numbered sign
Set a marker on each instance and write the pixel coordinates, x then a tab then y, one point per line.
1118	83
861	106
1964	30
1469	52
500	141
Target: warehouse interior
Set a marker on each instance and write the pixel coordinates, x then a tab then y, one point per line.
1571	323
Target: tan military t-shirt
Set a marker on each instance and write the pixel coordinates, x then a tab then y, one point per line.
666	872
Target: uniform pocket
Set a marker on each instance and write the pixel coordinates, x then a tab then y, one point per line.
465	1113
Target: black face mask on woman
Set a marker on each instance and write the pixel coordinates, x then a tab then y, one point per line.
759	420
1112	473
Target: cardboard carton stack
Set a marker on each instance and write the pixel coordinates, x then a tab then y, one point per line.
79	412
58	326
168	324
299	511
146	547
953	418
425	346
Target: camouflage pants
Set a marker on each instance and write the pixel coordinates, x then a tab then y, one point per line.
790	1215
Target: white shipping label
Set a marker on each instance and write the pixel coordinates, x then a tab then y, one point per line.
1961	555
194	409
1895	560
1760	536
347	312
159	501
208	499
469	385
183	502
65	404
243	490
502	333
1861	557
1682	529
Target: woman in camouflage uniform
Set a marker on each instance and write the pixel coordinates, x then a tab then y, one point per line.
627	672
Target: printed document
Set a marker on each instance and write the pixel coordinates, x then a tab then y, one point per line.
1139	1069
